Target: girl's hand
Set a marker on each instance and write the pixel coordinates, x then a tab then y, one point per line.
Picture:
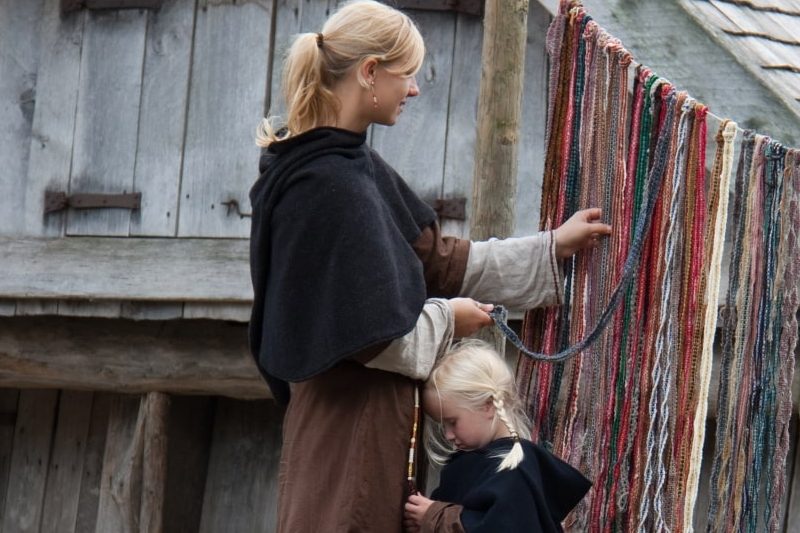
469	316
581	230
415	509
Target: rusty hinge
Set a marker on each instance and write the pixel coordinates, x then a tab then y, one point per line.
74	5
470	7
56	201
454	208
233	205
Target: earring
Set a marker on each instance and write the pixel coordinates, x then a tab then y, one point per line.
374	98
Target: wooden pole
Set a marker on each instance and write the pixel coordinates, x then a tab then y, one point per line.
494	183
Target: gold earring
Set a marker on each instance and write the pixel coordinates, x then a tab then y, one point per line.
374	98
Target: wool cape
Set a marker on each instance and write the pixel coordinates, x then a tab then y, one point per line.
331	258
535	496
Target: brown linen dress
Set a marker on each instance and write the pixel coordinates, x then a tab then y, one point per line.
346	431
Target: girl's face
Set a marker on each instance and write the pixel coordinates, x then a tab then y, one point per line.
392	92
466	429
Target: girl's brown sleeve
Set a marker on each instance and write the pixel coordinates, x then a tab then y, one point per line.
442	517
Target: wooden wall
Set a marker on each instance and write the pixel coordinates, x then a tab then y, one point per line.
69	462
166	103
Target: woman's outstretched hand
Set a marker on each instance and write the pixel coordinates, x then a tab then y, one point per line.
469	315
581	230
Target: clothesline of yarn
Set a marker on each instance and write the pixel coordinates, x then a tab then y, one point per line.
611	409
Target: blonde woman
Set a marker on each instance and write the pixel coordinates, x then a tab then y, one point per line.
494	478
356	292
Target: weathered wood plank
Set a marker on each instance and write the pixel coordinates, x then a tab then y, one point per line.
415	145
30	460
89	497
53	119
700	519
792	471
104	147
234	312
227	97
292	17
8	307
171	270
151	311
66	464
36	307
532	128
239	497
156	407
90	308
9	399
179	356
191	423
121	480
462	119
162	118
19	61
792	515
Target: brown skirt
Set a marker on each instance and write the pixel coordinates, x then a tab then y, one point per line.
345	450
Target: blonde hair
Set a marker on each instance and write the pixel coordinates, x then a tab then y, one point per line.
471	374
359	31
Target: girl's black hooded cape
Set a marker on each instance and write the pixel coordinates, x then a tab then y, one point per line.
332	265
535	496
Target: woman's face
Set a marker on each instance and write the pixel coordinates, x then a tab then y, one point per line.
391	91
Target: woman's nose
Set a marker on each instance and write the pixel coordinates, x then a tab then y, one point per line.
413	90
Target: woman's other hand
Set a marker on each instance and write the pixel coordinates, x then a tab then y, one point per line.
581	230
469	315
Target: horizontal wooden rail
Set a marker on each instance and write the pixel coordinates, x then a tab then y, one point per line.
141	269
175	356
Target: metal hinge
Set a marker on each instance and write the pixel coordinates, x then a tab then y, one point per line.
470	7
454	208
74	5
56	201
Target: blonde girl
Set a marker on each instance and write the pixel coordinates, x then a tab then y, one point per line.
356	292
494	478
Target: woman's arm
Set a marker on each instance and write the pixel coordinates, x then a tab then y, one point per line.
523	273
415	353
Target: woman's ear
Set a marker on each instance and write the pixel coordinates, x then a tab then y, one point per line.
488	409
366	72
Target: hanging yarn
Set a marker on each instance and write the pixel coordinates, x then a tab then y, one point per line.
759	333
626	400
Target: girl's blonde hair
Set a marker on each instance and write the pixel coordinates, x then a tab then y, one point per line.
470	375
359	31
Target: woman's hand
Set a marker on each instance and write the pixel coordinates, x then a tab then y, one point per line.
581	230
469	315
415	509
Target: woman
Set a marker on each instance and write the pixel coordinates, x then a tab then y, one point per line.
356	292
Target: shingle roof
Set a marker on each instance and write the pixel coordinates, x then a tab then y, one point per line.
763	35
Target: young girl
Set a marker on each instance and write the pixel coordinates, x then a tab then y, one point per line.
497	479
356	292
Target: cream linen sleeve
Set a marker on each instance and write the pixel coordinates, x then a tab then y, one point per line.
519	273
414	354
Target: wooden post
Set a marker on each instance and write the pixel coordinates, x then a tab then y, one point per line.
154	474
505	29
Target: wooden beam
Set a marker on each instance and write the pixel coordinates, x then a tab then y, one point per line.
176	356
139	269
154	466
505	29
